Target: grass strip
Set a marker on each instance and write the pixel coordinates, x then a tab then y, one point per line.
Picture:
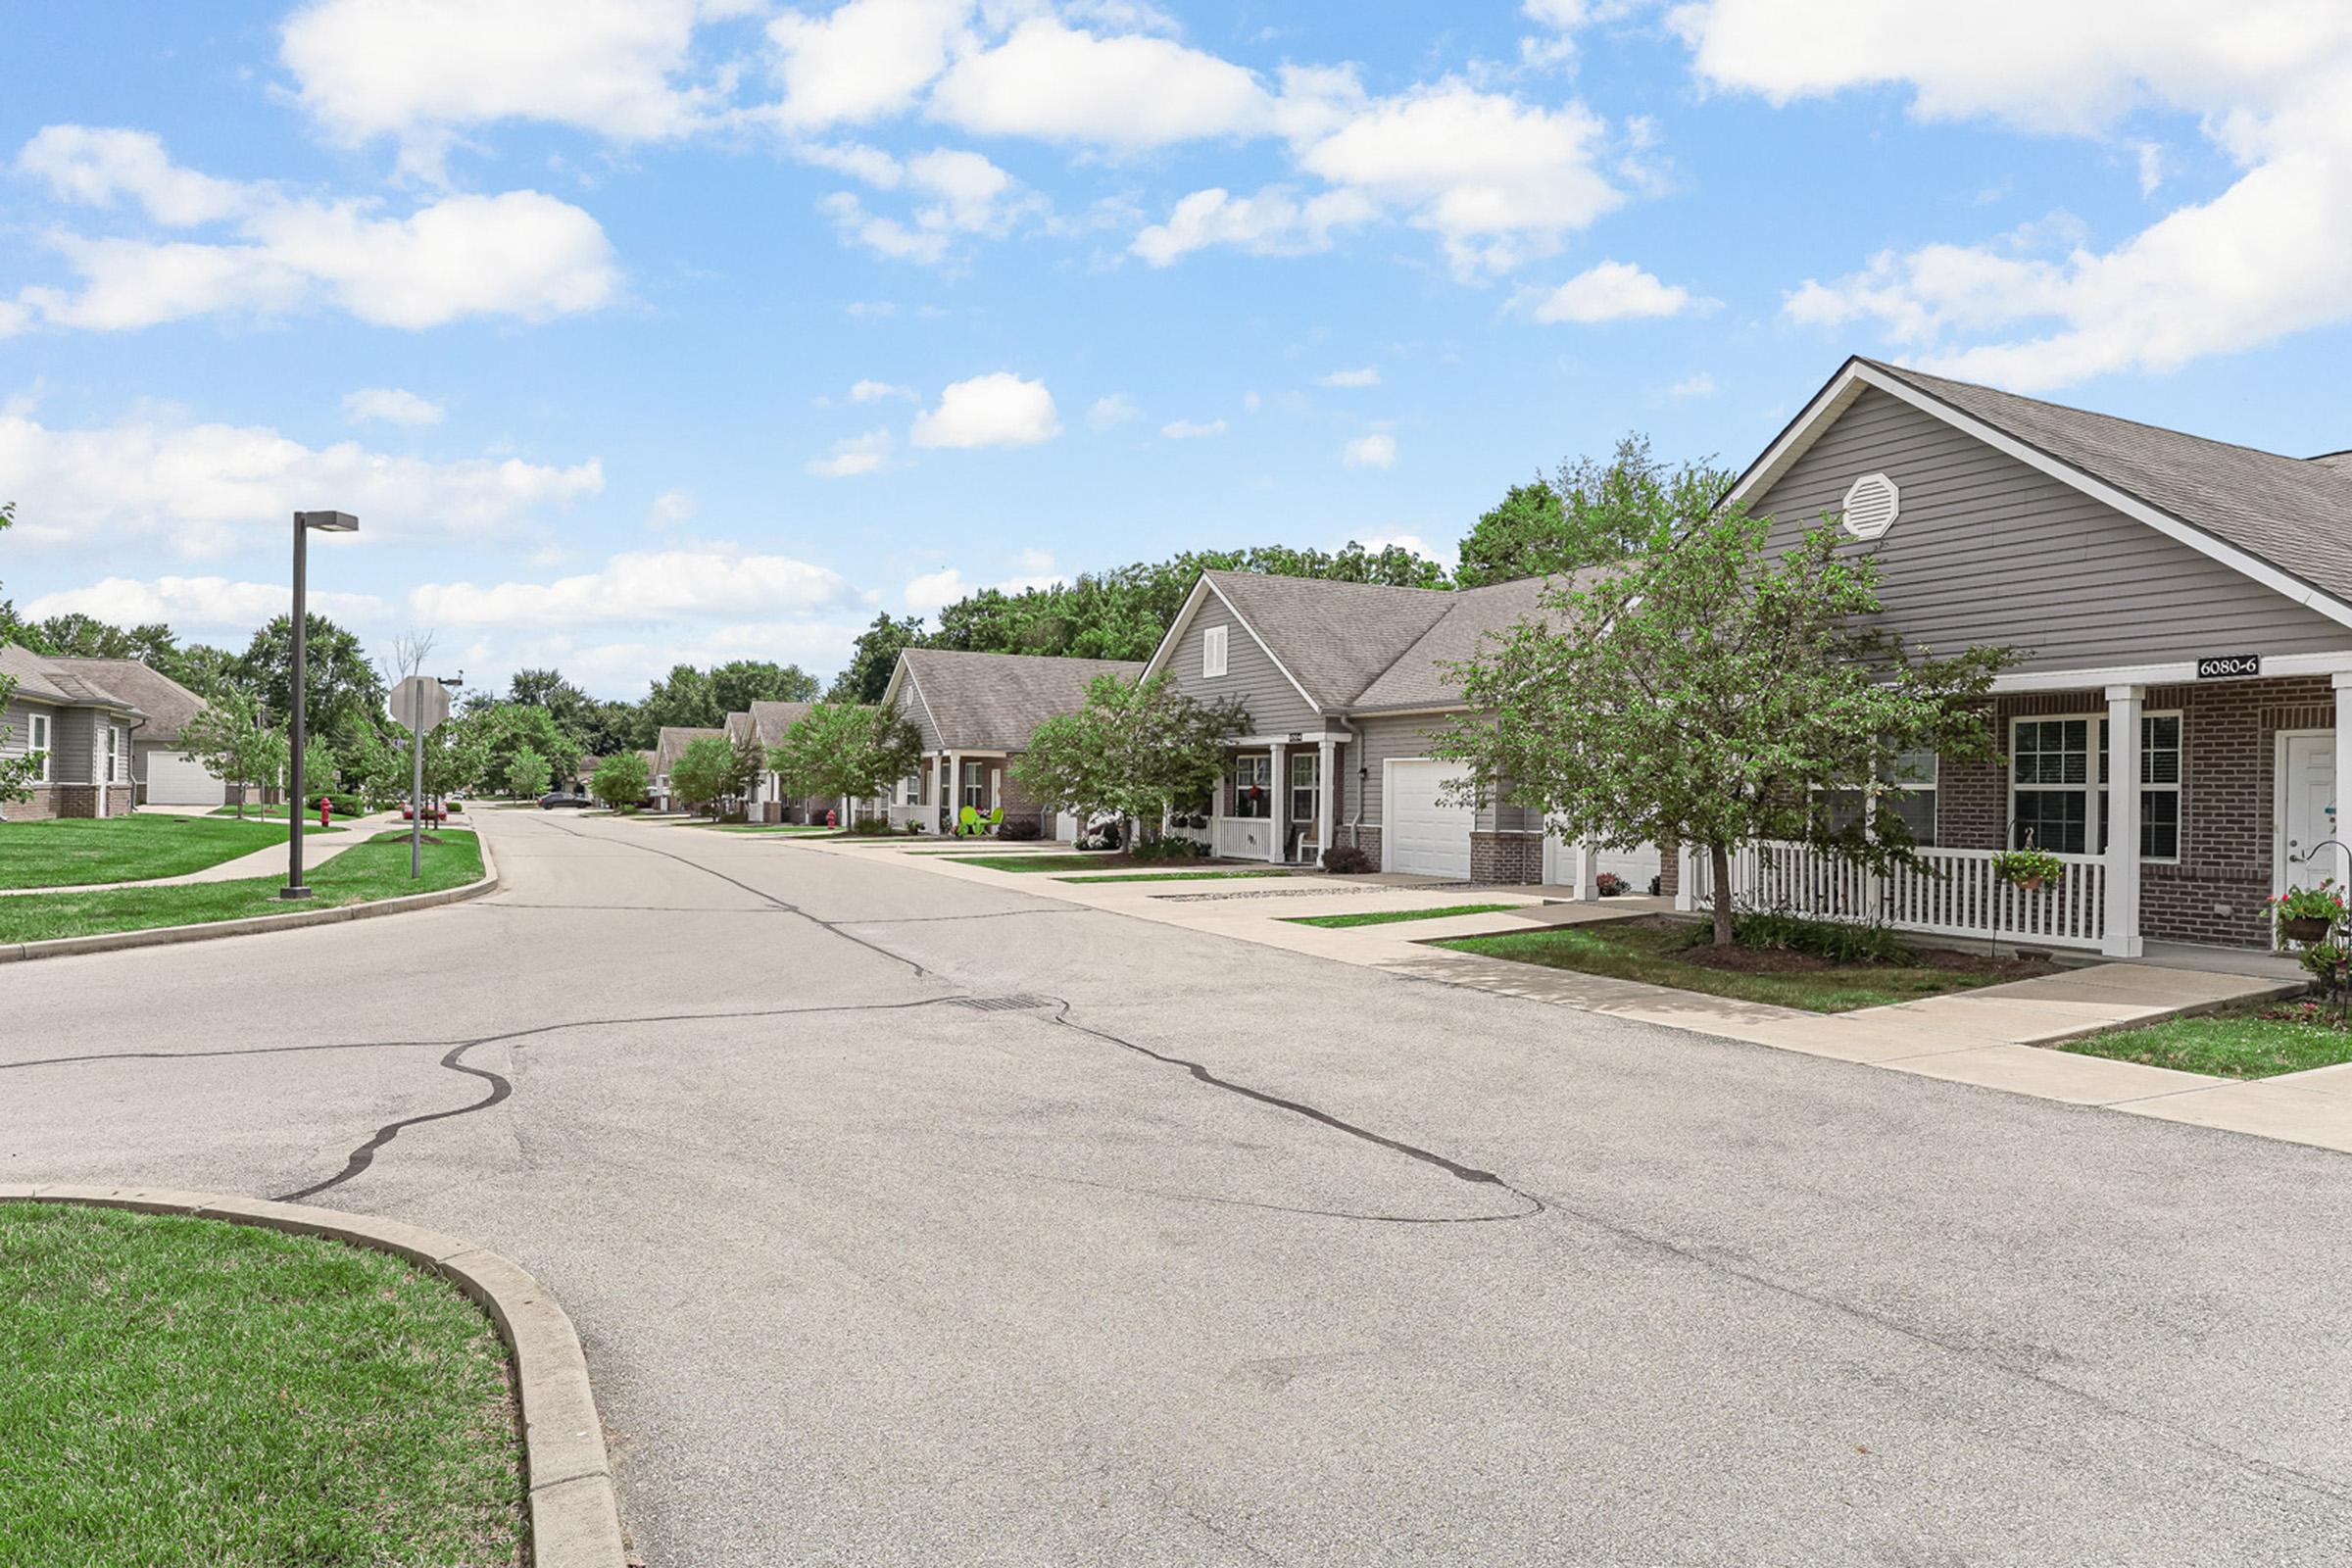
176	1389
1340	922
2235	1043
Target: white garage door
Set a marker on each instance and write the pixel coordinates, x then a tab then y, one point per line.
174	778
1425	834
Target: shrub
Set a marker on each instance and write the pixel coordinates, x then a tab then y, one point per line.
872	826
1835	941
1020	829
1105	836
1347	859
1169	848
1609	884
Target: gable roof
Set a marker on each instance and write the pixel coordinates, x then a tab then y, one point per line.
1419	679
769	720
673	741
167	704
995	701
1334	638
2285	522
52	680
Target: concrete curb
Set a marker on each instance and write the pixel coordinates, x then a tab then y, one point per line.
164	936
575	1521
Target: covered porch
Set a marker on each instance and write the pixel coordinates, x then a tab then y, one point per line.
944	782
1275	799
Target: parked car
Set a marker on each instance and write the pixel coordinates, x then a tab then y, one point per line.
432	814
557	799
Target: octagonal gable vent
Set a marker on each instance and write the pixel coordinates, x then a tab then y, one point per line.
1872	503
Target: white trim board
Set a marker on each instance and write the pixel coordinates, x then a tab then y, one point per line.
1854	376
2177	672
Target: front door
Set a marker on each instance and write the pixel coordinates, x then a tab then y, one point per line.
2308	842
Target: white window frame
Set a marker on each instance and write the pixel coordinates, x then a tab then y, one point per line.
1932	789
1310	764
973	780
113	739
1260	765
38	730
2095	786
1215	652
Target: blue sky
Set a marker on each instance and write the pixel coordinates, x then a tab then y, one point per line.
646	330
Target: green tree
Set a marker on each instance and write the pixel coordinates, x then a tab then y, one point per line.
874	657
845	749
1704	692
1131	751
621	780
228	738
683	698
750	761
342	683
1591	514
527	774
494	734
700	775
740	682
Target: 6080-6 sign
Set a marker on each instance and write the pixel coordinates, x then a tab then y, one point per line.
2223	667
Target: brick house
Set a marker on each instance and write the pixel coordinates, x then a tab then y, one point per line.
2191	593
975	713
81	731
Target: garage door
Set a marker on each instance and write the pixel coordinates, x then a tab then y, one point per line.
174	778
1425	834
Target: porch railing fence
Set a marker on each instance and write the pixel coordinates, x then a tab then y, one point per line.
1950	893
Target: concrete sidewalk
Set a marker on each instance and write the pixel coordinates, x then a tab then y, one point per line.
1996	1037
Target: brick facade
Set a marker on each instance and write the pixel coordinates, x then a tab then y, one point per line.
1366	837
1507	859
69	800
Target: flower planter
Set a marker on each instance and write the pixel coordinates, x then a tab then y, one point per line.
2306	928
2027	884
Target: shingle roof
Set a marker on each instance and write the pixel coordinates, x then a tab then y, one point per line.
2294	513
1335	638
51	680
772	720
673	741
740	727
167	704
995	701
1418	678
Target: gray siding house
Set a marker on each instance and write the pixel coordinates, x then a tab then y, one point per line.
2190	595
1346	689
975	713
81	731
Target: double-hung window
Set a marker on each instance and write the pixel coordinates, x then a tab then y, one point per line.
36	739
1303	785
975	786
2058	785
113	739
1253	786
1906	787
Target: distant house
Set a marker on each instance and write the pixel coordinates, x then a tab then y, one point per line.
82	731
771	803
667	749
975	713
164	774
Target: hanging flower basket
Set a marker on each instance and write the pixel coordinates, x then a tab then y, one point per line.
2307	928
2309	914
2027	868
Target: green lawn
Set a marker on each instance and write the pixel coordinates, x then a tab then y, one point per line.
1337	923
774	827
1175	876
376	869
1042	862
186	1391
1650	950
278	813
2251	1041
70	851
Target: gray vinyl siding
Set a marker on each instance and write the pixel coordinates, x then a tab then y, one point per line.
19	722
1987	549
1250	674
69	760
1404	739
918	714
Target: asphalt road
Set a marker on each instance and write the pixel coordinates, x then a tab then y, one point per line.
912	1222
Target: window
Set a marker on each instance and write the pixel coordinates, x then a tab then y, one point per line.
36	739
1212	651
910	790
2058	795
975	786
1303	785
113	737
1253	786
1908	790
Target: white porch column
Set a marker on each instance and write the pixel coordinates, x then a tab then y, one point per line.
1327	800
953	799
1278	809
2337	828
1587	871
1684	899
2123	940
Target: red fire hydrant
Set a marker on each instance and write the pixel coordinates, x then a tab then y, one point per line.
832	819
326	809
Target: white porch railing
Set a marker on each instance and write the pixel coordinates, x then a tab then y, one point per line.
1245	838
1951	892
923	816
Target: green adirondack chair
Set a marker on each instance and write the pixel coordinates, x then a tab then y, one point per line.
970	824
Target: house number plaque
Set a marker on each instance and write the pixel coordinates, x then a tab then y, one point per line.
2223	667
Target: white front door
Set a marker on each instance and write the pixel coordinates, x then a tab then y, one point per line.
1427	833
2307	812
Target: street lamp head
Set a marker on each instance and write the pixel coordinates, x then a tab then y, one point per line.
328	521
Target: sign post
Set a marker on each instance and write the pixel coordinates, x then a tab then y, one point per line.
423	703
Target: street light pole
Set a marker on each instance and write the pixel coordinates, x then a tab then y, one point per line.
304	522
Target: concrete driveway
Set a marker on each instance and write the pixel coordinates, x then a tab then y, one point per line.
910	1221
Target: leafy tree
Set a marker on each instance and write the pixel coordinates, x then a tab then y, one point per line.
321	769
1131	751
701	774
17	775
845	748
227	736
527	774
874	657
496	733
1592	513
683	698
371	766
750	761
1703	694
343	684
739	683
621	780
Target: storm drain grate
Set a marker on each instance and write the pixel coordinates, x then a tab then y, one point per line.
1014	1003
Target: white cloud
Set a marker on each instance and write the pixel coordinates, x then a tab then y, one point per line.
1700	386
2266	81
872	391
1000	409
418	69
1272	223
933	591
1402	541
391	405
958	193
864	60
152	482
519	254
643	586
853	456
1610	291
1127	92
1376	451
1368	375
197	606
1192	429
671	508
1112	412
